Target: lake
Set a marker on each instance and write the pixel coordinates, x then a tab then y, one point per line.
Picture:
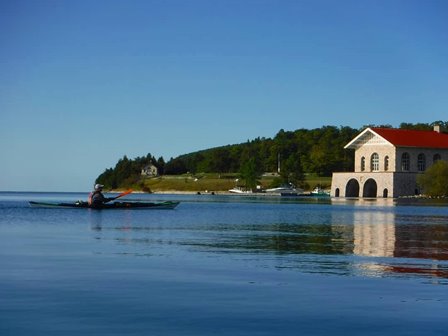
224	265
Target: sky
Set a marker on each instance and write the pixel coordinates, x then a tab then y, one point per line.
83	83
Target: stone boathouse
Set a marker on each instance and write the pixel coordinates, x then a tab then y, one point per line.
388	161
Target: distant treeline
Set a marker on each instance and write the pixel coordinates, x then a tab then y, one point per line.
127	172
319	151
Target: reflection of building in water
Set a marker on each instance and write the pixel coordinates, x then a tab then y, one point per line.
396	240
429	241
374	233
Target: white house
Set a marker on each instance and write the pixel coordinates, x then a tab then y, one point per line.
150	171
388	161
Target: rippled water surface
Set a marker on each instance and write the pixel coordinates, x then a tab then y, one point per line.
224	265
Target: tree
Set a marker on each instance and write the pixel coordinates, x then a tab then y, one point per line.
220	160
434	181
108	179
417	127
176	167
292	170
160	165
250	174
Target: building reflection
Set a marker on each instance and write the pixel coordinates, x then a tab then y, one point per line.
428	241
374	234
386	235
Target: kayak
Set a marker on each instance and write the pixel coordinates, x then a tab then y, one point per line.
112	205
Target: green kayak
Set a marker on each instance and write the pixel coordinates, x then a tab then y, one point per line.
112	205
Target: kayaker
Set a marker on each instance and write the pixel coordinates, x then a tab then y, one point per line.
96	198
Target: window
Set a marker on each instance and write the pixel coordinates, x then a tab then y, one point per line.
386	163
436	158
363	163
375	162
421	162
405	162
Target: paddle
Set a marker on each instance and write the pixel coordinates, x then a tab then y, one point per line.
121	195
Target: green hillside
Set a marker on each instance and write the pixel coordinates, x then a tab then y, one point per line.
305	157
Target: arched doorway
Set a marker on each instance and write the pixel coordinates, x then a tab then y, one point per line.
337	192
352	188
385	193
370	188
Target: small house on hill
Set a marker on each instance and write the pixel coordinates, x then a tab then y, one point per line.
388	161
150	171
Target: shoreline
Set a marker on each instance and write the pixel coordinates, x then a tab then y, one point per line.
227	193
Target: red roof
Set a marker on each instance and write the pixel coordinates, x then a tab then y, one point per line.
412	138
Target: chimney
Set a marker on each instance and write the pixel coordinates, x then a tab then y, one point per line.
437	128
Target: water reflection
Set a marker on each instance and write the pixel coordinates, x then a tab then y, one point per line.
376	240
367	242
364	238
374	233
96	220
100	219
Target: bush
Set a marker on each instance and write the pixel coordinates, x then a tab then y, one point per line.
434	181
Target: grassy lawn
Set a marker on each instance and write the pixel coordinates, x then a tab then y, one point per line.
216	182
189	183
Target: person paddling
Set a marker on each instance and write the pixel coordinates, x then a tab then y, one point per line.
96	198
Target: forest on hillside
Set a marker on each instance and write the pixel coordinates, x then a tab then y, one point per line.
293	153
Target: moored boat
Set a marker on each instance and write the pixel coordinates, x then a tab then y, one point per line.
239	190
285	190
112	205
318	191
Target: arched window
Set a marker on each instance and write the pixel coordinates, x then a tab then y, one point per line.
363	163
436	158
386	163
405	162
375	162
421	162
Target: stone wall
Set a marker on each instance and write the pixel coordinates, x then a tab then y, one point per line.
405	184
395	155
414	153
381	150
385	184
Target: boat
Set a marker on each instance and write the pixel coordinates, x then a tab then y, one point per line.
112	205
319	192
239	190
285	190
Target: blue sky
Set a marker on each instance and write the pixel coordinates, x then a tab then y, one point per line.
83	83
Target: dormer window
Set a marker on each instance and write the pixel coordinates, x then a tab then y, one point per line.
405	162
375	162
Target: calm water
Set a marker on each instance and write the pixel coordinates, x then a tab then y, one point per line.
224	265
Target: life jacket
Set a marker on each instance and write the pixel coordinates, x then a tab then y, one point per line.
91	199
